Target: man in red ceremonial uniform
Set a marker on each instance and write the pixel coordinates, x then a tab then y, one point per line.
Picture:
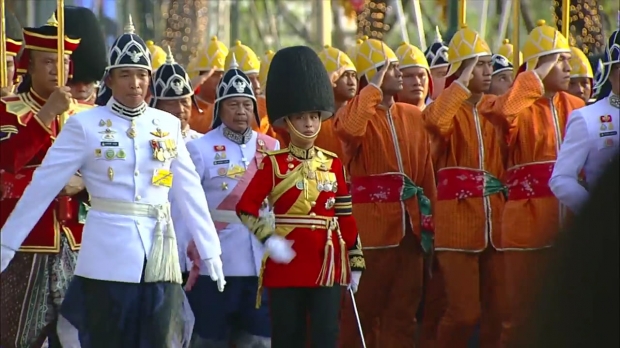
34	285
311	240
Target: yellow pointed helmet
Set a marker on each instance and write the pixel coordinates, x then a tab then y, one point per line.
246	58
372	54
580	64
543	41
213	56
264	68
158	55
507	51
352	50
465	44
334	59
410	56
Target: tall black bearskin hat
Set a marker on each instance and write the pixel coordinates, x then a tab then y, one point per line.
437	53
234	83
298	82
500	64
89	59
170	81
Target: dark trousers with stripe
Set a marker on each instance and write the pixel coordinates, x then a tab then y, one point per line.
305	317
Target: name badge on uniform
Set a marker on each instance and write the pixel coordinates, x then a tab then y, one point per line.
162	177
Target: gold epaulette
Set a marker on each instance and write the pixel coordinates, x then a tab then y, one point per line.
328	153
15	105
274	152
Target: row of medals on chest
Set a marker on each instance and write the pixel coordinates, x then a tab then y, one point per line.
321	176
163	149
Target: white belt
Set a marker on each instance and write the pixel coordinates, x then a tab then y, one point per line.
225	216
163	261
159	211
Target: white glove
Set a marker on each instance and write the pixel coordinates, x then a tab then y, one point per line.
216	272
6	255
280	249
355	280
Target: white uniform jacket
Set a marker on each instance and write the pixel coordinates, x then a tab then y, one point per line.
590	143
117	165
225	170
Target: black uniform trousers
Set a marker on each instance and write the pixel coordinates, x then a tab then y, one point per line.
297	313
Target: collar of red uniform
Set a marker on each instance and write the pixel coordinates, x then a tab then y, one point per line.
300	153
36	97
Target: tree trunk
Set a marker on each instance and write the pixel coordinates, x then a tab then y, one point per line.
527	15
586	27
186	24
338	35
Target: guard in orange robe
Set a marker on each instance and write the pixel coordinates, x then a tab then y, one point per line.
311	238
343	74
470	196
581	75
417	80
210	61
34	284
392	185
535	112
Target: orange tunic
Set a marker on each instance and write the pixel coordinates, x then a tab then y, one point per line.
201	123
535	131
377	140
327	139
466	145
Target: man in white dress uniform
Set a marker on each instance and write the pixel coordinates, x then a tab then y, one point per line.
592	138
226	159
126	292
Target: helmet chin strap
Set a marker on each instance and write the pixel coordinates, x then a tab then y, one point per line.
296	134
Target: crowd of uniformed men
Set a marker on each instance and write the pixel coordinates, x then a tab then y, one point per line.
255	183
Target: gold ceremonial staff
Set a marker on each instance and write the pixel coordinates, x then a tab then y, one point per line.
3	70
462	13
566	19
60	65
516	44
